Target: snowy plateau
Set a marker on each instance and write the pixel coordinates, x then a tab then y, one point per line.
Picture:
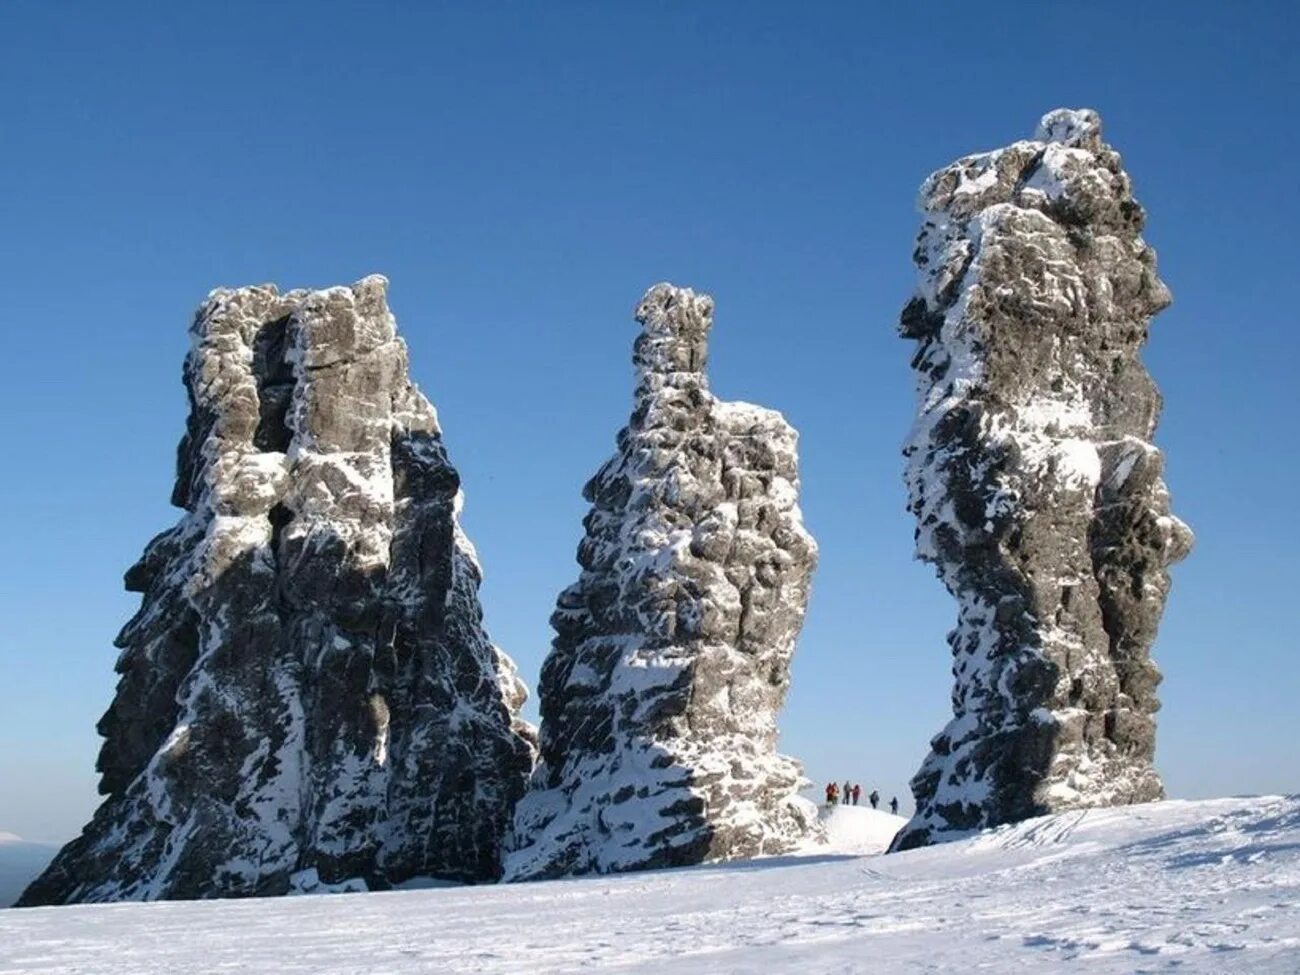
1179	886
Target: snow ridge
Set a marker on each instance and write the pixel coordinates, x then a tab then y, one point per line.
672	650
307	697
1037	493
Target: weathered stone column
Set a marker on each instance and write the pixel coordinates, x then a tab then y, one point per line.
307	698
1038	495
672	651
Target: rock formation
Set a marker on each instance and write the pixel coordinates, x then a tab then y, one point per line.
672	651
1038	494
308	700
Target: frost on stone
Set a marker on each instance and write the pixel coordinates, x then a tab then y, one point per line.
672	651
307	697
1038	495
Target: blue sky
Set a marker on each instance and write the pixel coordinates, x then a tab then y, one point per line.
522	172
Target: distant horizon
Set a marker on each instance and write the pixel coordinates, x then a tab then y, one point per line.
521	175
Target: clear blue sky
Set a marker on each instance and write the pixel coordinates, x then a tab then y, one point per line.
522	172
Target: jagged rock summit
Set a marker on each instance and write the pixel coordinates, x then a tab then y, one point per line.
308	700
1038	494
672	651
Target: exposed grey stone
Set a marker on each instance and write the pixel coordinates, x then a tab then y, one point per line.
672	651
307	698
1038	494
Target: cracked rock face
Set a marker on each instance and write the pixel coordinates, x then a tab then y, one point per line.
307	698
672	651
1038	494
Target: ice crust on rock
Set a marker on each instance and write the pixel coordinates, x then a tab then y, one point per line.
1039	497
672	651
307	697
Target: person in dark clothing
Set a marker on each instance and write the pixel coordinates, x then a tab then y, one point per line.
848	793
875	798
893	805
857	791
832	793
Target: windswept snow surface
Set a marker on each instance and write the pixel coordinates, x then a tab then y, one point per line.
1210	886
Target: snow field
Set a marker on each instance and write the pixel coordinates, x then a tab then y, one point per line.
1206	886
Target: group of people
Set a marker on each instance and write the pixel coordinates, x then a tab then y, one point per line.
849	795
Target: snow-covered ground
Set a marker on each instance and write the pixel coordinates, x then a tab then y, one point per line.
1209	886
856	829
20	861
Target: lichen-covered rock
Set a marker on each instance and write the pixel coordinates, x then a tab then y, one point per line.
1038	494
308	700
672	651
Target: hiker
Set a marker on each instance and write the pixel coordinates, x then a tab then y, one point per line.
875	798
832	793
857	791
848	793
893	805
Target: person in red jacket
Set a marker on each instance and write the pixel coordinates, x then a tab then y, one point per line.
832	793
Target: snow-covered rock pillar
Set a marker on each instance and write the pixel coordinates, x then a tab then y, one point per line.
307	698
672	651
1038	495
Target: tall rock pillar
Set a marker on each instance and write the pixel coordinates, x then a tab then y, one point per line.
672	651
1039	497
307	698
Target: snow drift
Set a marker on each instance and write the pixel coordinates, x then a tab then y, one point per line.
855	829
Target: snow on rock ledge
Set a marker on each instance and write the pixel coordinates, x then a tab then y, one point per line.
1038	495
672	651
307	690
